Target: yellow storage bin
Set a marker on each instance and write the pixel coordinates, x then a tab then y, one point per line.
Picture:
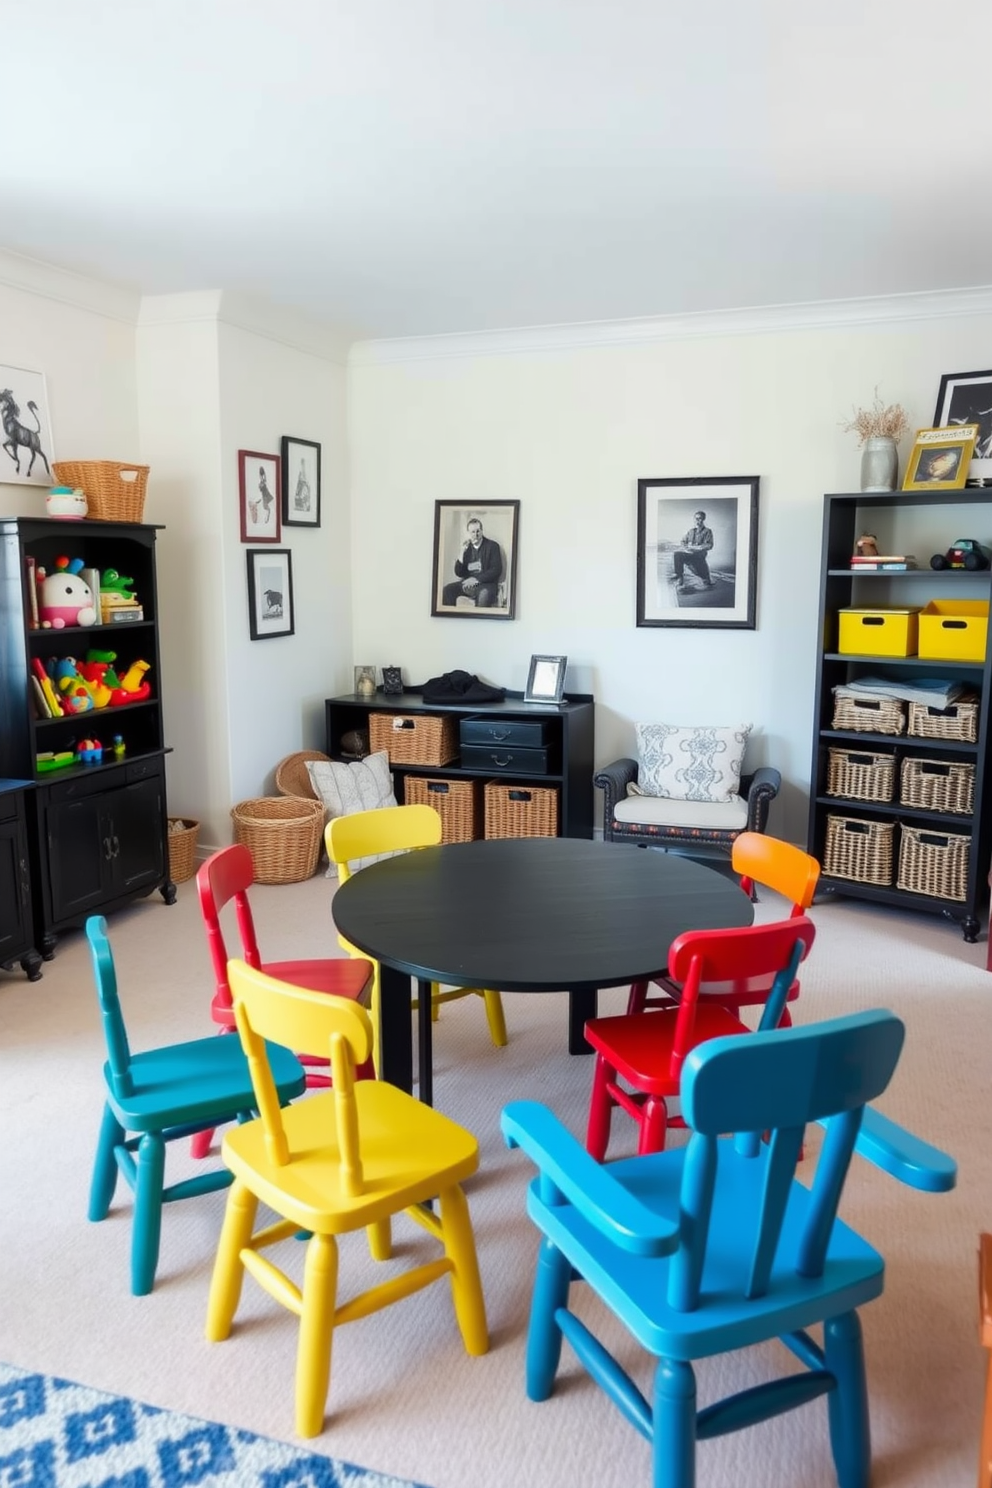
878	632
954	629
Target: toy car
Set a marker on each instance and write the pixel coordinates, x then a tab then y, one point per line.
964	553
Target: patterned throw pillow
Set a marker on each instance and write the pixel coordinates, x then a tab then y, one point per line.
363	785
689	764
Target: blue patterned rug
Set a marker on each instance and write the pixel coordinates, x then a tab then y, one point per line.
54	1434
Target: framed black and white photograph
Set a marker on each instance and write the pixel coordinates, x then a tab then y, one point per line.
697	551
940	458
546	679
258	491
26	452
966	398
270	593
475	559
300	482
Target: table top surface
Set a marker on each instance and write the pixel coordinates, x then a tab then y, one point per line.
533	914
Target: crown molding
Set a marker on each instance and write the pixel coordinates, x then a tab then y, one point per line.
65	286
817	315
273	322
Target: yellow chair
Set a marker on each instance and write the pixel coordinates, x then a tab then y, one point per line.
394	829
344	1159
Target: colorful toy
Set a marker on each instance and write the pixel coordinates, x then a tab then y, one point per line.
111	582
63	597
97	671
77	695
964	553
48	761
133	688
89	751
118	747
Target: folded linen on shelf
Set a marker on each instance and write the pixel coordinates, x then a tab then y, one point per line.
934	692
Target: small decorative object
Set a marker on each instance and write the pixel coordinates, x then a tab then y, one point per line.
475	560
878	428
963	553
183	832
355	744
119	748
300	482
697	551
365	681
66	503
26	446
940	458
392	681
64	598
866	546
546	679
260	490
270	593
966	398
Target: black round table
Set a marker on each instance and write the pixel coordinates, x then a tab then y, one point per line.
545	914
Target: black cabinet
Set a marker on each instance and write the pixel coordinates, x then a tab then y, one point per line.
905	522
564	760
97	827
16	919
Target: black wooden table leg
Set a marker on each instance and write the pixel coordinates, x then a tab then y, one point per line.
581	1007
395	1038
425	1050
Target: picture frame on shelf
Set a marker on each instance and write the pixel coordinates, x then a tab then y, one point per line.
940	458
697	551
546	679
260	492
300	482
966	398
26	449
270	593
475	559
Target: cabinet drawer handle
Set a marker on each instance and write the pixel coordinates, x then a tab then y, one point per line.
107	849
501	763
499	734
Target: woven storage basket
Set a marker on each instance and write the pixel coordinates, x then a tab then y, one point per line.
292	777
959	721
115	489
521	810
182	848
415	738
457	802
938	785
860	775
858	849
283	835
934	863
882	715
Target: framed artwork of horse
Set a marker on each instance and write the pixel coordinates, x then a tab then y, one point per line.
300	482
260	490
270	593
26	449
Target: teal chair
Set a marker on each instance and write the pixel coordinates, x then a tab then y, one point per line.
155	1097
716	1246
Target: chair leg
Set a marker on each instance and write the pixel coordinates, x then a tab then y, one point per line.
674	1437
149	1179
985	1460
374	1000
200	1143
552	1279
466	1284
850	1433
653	1126
104	1180
600	1110
637	997
494	1015
435	1001
313	1357
380	1236
225	1284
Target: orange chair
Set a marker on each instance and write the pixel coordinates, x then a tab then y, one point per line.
648	1050
228	875
775	865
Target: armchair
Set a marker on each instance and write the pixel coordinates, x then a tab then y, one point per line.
656	821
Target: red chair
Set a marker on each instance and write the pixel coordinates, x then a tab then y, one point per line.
228	875
647	1050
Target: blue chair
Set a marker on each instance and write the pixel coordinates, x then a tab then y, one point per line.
716	1246
160	1095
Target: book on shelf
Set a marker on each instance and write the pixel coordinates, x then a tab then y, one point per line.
886	560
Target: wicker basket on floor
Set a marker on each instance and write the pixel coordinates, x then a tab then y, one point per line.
115	489
183	832
283	835
292	776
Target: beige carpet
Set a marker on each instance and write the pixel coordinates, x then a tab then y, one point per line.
405	1399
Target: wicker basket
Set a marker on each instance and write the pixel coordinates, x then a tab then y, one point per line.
861	776
292	776
521	810
881	715
115	489
415	738
934	863
959	721
938	785
283	835
457	802
182	848
858	849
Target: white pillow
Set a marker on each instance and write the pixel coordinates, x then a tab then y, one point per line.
344	789
690	764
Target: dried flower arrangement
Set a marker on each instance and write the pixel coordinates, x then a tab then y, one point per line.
887	420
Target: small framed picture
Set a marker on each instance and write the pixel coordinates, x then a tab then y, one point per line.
475	560
26	448
270	593
940	458
259	489
546	679
300	482
966	398
697	551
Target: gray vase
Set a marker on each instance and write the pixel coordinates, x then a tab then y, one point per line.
879	464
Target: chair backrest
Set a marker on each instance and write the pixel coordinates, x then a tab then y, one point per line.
114	1031
778	866
226	875
364	834
266	1008
760	951
775	1083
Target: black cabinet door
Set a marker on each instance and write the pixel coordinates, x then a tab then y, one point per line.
15	932
135	830
79	855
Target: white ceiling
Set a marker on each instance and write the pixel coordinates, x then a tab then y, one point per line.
407	167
